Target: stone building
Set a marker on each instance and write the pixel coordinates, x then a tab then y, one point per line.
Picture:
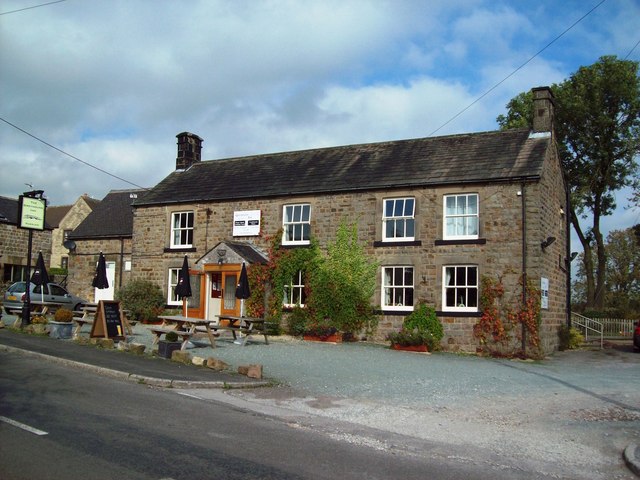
14	242
64	219
437	214
107	229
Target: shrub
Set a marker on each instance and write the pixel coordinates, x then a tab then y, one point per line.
63	315
570	338
421	327
171	337
144	299
297	321
39	320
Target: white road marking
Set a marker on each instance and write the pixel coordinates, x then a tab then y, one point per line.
22	426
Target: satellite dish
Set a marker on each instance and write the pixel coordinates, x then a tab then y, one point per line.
69	245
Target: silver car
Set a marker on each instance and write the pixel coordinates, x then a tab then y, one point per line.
52	292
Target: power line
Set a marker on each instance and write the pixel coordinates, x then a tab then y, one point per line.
29	8
71	156
516	70
631	51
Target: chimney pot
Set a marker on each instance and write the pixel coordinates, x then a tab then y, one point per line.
543	105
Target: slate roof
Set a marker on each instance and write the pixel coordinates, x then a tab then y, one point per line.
456	159
111	218
56	214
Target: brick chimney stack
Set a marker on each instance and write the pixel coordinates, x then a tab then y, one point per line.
189	150
543	105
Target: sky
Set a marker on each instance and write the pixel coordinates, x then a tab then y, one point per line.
112	82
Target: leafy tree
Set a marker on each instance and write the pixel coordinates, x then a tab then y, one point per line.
623	270
598	132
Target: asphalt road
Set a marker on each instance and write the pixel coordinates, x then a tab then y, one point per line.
94	427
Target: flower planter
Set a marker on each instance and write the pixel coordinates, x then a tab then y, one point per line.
410	348
61	330
165	349
333	338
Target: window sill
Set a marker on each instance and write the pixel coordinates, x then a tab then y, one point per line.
410	243
475	241
295	245
179	249
441	313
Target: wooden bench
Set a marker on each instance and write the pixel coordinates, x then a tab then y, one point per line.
246	326
84	317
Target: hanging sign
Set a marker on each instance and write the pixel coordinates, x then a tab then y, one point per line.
31	212
246	223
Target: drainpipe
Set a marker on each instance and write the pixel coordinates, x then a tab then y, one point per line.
568	252
524	262
121	262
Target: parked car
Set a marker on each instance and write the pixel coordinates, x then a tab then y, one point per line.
636	336
14	297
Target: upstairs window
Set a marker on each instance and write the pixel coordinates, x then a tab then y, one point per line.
397	288
461	216
460	288
294	294
296	224
398	219
182	230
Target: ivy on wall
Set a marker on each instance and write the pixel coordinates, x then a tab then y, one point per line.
497	329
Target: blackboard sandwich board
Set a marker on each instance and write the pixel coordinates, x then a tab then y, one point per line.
108	322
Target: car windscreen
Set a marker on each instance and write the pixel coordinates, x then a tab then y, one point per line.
17	287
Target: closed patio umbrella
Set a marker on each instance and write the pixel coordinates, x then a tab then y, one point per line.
100	280
40	275
183	288
243	291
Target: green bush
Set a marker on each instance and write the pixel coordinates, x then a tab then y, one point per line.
144	299
171	337
570	338
420	327
297	321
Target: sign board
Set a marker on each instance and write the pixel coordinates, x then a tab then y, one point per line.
108	322
246	223
544	293
31	213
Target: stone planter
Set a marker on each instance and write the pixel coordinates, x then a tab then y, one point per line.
165	349
62	330
410	348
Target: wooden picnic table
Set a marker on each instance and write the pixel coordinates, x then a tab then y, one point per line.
185	327
245	326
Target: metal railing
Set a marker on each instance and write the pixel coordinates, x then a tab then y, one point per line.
588	325
617	327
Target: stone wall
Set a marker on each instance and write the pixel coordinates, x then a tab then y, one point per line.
83	261
14	244
71	220
499	254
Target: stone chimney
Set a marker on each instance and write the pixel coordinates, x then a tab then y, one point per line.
543	105
189	150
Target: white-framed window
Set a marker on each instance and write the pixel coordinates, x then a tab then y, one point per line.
398	219
182	229
461	216
172	298
294	293
296	224
460	288
397	288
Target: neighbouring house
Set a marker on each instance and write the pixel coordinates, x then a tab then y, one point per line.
441	216
107	229
14	243
64	219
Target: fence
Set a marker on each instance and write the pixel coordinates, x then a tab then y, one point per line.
617	327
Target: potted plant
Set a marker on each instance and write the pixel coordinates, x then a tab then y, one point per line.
170	344
322	332
61	326
421	331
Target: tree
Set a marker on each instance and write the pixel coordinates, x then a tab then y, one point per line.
598	133
623	270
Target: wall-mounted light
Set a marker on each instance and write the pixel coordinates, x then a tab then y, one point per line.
545	243
573	256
